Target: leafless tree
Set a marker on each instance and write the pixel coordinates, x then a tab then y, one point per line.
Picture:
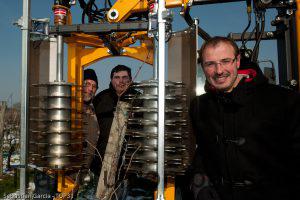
2	113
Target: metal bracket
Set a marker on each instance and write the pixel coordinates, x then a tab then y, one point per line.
202	2
19	22
268	35
39	29
99	28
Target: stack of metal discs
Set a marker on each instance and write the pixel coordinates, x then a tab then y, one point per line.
53	143
142	130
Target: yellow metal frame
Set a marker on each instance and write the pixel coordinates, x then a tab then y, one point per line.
84	50
85	40
125	8
65	186
79	57
169	192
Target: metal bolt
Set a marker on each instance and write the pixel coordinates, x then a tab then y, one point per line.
113	14
293	82
122	51
266	1
289	12
291	2
247	54
270	34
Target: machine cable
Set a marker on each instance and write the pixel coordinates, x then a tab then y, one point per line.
258	29
247	27
259	32
95	14
91	10
202	33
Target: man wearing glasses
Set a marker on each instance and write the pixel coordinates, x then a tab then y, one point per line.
248	131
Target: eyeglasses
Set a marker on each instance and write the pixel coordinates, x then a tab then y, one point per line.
224	62
88	84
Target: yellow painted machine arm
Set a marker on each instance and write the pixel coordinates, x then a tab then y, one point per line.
122	9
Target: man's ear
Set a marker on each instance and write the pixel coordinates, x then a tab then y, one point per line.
238	61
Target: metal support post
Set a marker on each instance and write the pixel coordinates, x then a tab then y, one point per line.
161	98
196	22
60	58
24	98
155	63
297	16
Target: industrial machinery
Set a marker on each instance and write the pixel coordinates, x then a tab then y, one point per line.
131	28
52	136
142	136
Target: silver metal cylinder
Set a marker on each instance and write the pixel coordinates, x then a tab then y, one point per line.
58	150
55	144
58	162
143	134
59	126
59	138
59	103
60	57
59	89
59	114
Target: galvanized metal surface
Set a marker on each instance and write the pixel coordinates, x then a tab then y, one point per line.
60	58
99	27
142	130
54	143
24	96
161	97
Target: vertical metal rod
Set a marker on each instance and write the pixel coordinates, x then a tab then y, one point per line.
155	60
196	24
298	39
161	99
287	36
60	58
24	97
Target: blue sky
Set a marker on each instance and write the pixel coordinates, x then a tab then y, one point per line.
216	19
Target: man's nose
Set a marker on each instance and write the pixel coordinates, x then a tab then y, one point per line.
90	88
219	68
122	80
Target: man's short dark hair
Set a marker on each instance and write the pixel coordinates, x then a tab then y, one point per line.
213	42
119	68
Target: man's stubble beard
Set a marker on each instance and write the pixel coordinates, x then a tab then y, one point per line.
88	98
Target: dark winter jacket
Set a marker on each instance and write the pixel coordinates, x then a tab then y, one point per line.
249	140
92	134
105	103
